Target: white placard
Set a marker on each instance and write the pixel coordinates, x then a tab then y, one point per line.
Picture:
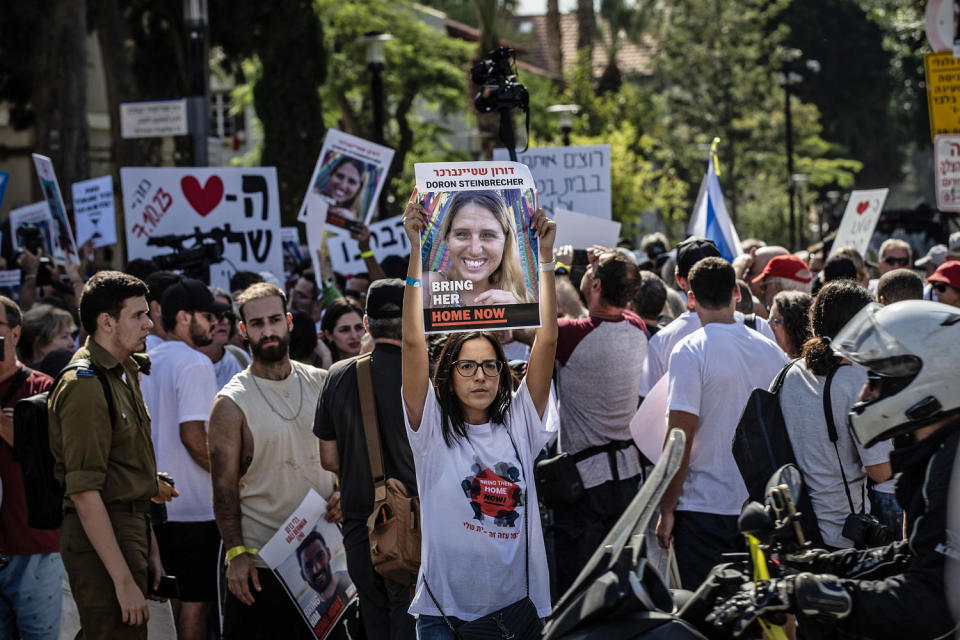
583	231
154	118
240	204
947	172
346	181
93	211
38	215
387	237
572	178
306	539
859	220
472	176
649	425
63	242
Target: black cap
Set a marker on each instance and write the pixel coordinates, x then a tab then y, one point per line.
189	295
385	299
839	267
693	250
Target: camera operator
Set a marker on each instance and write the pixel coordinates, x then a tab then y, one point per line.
910	351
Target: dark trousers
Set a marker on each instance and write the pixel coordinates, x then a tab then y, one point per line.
700	540
383	603
579	529
272	615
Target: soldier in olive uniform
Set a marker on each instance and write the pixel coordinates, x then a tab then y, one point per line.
108	469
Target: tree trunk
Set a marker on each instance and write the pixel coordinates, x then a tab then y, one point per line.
586	27
60	101
554	37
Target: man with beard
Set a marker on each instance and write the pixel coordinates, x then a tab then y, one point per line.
313	556
264	459
179	393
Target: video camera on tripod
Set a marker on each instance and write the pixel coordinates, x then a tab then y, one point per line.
194	261
496	75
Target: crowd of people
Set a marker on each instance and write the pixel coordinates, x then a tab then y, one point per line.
226	407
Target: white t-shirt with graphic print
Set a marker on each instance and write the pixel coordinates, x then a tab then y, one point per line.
472	513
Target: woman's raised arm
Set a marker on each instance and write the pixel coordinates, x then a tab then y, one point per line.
416	366
544	349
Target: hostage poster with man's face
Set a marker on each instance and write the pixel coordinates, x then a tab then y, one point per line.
480	259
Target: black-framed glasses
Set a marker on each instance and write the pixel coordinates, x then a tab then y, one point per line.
940	287
468	368
897	262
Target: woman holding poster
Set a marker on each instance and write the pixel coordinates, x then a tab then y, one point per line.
474	442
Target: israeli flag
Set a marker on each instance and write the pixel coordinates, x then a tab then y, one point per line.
710	218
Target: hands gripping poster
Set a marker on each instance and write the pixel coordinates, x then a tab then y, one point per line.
308	557
480	261
229	215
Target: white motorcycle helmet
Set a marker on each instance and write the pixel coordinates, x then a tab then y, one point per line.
911	350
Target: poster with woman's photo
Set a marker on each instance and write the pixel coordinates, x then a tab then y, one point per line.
480	260
308	557
31	227
346	181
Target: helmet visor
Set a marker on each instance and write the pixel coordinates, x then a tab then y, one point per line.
865	343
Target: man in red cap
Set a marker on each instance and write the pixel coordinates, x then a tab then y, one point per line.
946	282
784	273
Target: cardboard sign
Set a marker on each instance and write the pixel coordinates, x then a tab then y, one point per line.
387	237
239	206
480	260
584	231
32	226
306	539
859	220
153	118
93	211
63	243
346	182
649	425
572	178
947	170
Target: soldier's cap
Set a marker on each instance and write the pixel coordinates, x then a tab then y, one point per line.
385	299
190	294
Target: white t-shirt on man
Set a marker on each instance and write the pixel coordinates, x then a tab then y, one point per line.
662	343
180	388
801	400
472	513
711	375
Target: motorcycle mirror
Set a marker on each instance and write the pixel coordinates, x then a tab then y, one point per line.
788	475
755	519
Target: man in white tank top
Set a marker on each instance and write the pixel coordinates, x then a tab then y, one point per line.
264	459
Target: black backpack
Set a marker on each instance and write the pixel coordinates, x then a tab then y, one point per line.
31	439
761	445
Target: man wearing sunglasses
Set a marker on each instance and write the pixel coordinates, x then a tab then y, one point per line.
946	283
894	254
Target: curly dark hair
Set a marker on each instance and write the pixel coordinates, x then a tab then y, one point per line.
451	412
836	303
794	306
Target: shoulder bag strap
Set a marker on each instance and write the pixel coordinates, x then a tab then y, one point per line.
778	381
371	427
832	432
18	379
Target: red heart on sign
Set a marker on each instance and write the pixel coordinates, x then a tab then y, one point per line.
862	206
203	199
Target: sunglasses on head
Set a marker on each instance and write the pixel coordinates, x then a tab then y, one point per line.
897	262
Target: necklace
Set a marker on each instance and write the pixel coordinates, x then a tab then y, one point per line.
272	408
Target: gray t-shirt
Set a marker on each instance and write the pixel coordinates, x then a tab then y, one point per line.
801	400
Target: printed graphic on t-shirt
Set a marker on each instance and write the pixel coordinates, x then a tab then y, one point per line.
493	493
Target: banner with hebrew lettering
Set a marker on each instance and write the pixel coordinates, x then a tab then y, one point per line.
237	209
572	178
480	260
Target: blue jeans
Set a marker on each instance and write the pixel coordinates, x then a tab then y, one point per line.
434	628
31	596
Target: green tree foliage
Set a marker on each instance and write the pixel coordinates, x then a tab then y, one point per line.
716	77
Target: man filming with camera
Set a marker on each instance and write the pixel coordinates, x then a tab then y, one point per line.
910	351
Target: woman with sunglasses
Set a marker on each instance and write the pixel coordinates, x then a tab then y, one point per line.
474	442
835	475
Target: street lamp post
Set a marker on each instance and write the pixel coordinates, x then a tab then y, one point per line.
565	113
198	110
376	61
790	76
